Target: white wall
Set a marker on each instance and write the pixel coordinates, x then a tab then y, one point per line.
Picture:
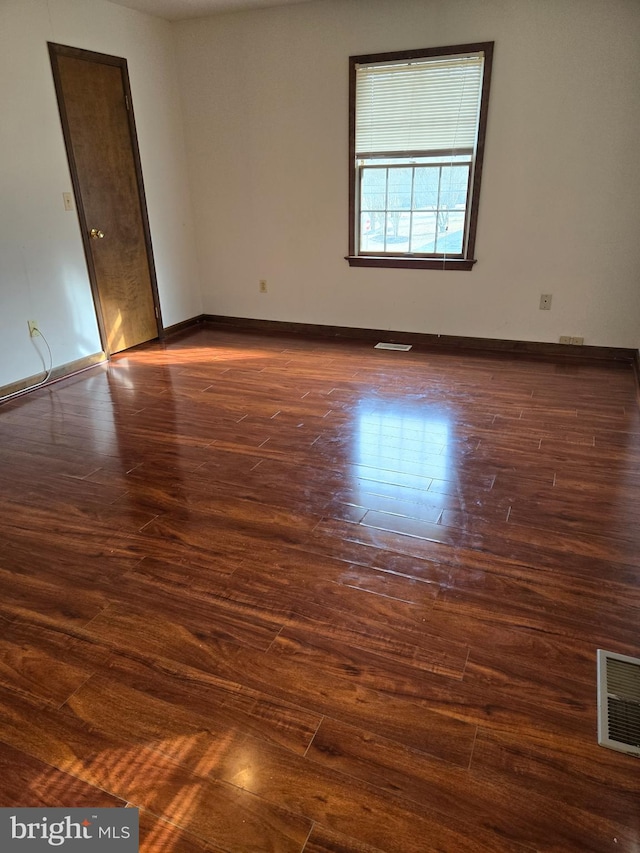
265	101
43	273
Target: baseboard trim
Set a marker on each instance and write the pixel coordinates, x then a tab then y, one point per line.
183	326
62	371
636	371
531	349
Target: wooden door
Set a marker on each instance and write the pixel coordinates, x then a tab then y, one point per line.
97	120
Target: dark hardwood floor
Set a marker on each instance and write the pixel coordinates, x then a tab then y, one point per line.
303	595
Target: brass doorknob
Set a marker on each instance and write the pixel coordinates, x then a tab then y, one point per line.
96	234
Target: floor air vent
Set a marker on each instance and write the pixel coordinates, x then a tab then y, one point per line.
400	347
619	702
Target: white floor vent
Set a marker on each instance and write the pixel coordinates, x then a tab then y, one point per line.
619	702
399	347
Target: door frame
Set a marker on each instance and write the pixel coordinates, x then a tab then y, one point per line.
56	50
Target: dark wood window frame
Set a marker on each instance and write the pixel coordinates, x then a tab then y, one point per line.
408	261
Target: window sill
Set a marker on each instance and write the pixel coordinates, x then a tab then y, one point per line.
410	263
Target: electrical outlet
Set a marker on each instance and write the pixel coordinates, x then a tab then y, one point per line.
545	302
263	285
34	331
569	339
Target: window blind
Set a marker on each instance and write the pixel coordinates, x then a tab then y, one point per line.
424	105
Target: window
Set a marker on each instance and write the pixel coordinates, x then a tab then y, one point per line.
417	126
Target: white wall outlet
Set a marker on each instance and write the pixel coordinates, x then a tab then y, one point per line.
34	331
577	341
263	285
545	302
565	339
67	200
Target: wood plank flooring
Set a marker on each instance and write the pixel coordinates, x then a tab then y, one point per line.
311	597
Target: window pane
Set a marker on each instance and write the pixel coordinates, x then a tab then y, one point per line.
448	242
399	189
365	232
372	231
373	189
453	186
426	187
449	231
456	221
397	232
423	232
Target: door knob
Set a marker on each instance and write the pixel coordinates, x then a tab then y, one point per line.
96	234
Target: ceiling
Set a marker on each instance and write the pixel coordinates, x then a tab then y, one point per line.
179	10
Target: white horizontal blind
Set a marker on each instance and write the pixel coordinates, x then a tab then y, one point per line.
418	105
